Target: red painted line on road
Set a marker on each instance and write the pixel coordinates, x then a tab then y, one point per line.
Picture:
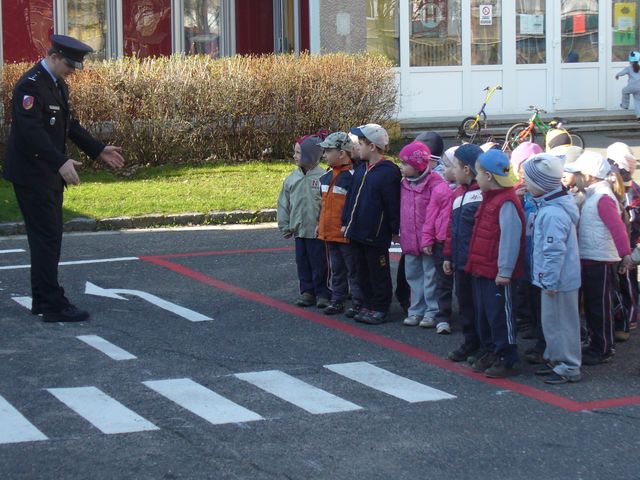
222	252
366	335
610	403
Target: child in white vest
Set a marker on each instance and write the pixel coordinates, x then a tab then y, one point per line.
603	244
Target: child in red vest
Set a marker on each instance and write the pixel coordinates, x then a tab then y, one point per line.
495	258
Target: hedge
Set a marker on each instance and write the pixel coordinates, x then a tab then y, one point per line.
188	110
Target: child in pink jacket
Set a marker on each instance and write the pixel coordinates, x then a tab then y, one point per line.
425	206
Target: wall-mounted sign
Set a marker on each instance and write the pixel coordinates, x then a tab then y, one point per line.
486	14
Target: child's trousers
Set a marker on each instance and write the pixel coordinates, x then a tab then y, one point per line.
311	260
626	93
597	292
374	276
561	327
342	263
420	271
464	294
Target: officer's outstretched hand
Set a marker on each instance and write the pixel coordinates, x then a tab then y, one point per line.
68	171
112	157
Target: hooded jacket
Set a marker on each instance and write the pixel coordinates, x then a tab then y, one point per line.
372	212
555	262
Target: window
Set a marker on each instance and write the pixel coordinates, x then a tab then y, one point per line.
202	33
383	28
579	23
625	28
435	32
530	32
147	27
87	21
486	32
26	28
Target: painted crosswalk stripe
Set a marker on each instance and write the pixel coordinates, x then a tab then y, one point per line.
14	428
201	401
106	347
297	392
23	301
106	414
12	250
389	383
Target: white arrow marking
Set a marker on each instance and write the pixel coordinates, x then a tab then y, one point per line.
91	289
24	301
13	250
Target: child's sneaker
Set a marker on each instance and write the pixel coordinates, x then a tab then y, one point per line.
322	302
443	328
557	379
501	370
374	318
334	308
412	320
484	362
306	300
361	314
428	322
462	353
353	311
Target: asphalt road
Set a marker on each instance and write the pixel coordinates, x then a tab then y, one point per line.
240	384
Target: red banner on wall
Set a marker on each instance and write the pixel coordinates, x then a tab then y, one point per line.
147	27
26	28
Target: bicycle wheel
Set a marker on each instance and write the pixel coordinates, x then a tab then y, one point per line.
517	134
577	140
469	127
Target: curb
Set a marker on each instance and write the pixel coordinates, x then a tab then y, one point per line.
85	224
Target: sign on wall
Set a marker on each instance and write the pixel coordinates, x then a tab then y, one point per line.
486	14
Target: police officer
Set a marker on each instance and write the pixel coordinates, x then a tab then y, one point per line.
37	165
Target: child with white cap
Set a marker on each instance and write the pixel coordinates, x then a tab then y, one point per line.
603	243
555	268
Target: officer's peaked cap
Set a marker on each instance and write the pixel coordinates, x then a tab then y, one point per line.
71	49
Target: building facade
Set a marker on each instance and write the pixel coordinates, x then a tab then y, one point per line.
561	55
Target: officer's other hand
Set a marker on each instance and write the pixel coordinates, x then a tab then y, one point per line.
111	155
68	171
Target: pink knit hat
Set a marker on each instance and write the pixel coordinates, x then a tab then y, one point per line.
522	153
416	155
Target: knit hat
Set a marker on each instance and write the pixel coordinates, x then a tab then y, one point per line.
433	141
622	156
590	163
557	137
522	153
496	162
311	152
416	155
467	154
447	157
339	140
544	171
374	133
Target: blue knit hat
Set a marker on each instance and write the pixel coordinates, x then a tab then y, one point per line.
468	154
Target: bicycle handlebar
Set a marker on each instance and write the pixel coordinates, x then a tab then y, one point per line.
533	108
488	87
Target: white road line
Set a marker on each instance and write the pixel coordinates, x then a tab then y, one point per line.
297	392
201	401
102	411
14	428
23	301
76	262
389	383
12	250
106	347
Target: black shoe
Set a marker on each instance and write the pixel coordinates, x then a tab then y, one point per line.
593	358
353	311
374	318
462	353
557	379
484	362
500	369
546	369
67	314
361	314
334	308
534	357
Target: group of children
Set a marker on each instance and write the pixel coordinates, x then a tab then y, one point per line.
517	239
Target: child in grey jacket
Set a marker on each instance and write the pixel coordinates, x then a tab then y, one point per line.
633	84
556	267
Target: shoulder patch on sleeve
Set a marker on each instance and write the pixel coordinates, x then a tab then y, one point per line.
27	102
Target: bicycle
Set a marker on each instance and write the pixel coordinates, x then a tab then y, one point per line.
526	131
471	126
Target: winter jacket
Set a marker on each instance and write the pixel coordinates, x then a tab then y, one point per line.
596	241
425	206
467	200
530	208
634	78
299	203
556	258
484	250
335	185
372	212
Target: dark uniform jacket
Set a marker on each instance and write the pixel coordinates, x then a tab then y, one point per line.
41	122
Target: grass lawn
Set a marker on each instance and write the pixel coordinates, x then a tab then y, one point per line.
164	190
